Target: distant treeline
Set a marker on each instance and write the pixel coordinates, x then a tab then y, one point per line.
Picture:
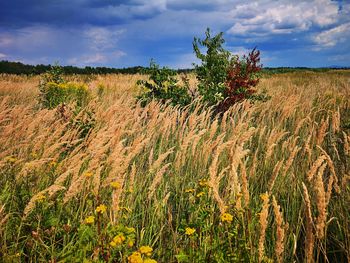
19	68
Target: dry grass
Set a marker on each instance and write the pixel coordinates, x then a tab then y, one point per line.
160	169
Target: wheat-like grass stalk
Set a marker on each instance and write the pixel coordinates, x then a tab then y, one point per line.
280	233
263	225
309	230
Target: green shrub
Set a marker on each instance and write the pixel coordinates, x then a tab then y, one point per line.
163	86
54	90
212	73
225	79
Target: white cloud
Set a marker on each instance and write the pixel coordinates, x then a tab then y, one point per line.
96	58
2	56
282	17
331	37
102	38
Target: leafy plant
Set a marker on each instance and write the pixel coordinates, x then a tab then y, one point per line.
212	73
163	86
224	78
54	90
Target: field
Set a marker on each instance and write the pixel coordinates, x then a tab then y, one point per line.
266	181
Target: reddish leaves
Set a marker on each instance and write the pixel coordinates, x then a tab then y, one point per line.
241	79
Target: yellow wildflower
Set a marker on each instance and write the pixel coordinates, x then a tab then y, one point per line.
226	217
189	231
200	194
101	209
264	196
130	243
135	257
149	260
112	244
203	183
90	220
40	198
190	190
88	174
119	239
147	250
115	185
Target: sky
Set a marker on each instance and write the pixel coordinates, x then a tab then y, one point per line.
118	33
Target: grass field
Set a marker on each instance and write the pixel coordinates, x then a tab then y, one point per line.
266	182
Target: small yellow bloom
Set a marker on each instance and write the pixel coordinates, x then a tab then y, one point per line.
200	194
40	198
190	190
101	209
264	196
113	244
135	257
189	231
130	243
203	183
119	239
147	250
115	185
226	217
90	220
88	174
149	260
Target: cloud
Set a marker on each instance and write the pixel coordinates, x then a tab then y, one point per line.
282	17
2	56
103	38
333	36
46	44
130	32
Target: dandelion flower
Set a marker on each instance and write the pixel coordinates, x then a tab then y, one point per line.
149	260
135	257
101	209
147	250
90	220
189	231
226	217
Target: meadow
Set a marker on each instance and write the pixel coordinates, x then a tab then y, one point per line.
120	182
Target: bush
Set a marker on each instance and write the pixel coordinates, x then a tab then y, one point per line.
163	86
54	90
225	79
212	73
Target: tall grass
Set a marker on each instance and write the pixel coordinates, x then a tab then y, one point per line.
264	182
